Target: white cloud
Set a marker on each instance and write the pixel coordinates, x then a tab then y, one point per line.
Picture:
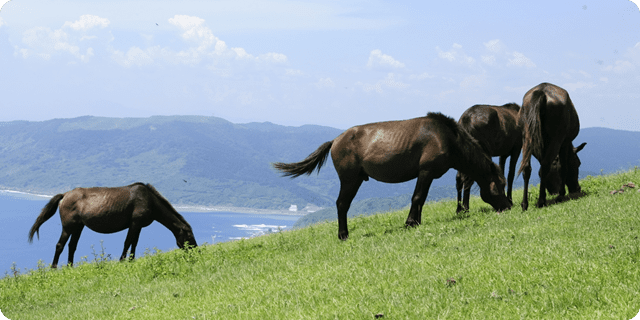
87	22
585	74
134	57
620	66
273	57
208	46
325	83
490	60
377	58
389	81
474	81
44	42
241	53
519	60
494	46
456	55
632	61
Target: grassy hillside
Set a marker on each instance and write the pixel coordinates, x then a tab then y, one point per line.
578	259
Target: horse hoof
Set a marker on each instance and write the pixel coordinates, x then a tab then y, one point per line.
343	236
411	223
525	206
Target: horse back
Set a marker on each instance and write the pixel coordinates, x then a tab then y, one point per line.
106	210
496	128
391	151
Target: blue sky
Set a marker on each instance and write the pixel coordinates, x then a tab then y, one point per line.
334	63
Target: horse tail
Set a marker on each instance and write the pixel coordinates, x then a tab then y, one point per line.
47	212
306	166
532	138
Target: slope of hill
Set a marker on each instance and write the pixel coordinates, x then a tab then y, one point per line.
573	260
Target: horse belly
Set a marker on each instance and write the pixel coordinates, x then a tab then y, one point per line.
106	222
392	168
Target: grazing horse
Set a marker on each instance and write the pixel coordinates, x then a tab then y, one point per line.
550	123
497	130
554	183
109	210
398	151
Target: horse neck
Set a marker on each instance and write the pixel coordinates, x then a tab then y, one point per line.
472	160
170	218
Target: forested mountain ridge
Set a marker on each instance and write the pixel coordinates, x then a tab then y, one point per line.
209	161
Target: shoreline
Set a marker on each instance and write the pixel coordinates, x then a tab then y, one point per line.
191	208
187	208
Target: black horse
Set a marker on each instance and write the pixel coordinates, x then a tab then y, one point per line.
398	151
550	123
497	130
554	181
109	210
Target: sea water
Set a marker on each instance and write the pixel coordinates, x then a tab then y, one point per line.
18	214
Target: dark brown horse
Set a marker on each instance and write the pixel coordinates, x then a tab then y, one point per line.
497	130
554	183
109	210
398	151
550	123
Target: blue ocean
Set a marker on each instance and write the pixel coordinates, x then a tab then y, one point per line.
17	215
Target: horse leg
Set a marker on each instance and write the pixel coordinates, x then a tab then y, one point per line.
132	235
73	244
565	153
503	161
545	168
59	247
417	201
526	174
348	190
459	186
466	195
134	243
512	173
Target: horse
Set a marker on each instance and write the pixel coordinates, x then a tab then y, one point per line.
398	151
109	210
498	131
554	182
550	123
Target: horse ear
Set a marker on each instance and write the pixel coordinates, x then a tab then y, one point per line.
580	147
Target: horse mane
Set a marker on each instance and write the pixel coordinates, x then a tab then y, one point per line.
446	120
512	105
164	201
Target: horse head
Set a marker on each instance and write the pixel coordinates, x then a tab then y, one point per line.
186	235
554	181
492	189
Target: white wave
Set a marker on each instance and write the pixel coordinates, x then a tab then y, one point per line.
255	230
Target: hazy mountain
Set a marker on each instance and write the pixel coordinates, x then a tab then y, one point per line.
210	161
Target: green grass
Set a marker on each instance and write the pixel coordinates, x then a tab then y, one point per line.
577	259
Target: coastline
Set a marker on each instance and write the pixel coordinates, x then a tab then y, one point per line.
187	208
192	208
